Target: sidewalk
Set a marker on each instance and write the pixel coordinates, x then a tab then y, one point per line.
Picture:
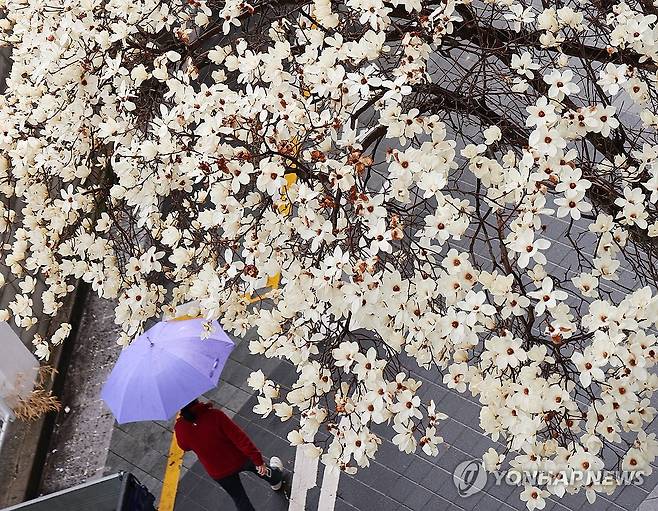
89	444
395	481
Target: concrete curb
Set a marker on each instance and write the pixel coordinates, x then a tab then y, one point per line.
26	444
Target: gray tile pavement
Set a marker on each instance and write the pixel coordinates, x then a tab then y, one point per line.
393	482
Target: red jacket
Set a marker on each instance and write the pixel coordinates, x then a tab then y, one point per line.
222	447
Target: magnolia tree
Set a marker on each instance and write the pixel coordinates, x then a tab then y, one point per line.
447	154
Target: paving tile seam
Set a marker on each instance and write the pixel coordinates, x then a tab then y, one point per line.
133	465
395	500
479	431
434	492
415	456
450	474
344	502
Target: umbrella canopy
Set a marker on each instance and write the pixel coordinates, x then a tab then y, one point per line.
165	368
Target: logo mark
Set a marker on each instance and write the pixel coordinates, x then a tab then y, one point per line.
469	477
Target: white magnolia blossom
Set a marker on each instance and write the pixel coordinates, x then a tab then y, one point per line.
415	203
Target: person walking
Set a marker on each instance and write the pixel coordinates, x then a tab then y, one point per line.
224	450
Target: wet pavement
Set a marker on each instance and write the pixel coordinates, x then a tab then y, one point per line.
395	481
88	444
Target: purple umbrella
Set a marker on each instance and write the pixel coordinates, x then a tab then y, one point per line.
165	368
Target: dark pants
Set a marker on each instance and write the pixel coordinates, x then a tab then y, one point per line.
234	488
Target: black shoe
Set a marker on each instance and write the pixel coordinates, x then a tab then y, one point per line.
286	486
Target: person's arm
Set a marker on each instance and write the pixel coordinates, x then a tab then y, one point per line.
181	443
239	438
